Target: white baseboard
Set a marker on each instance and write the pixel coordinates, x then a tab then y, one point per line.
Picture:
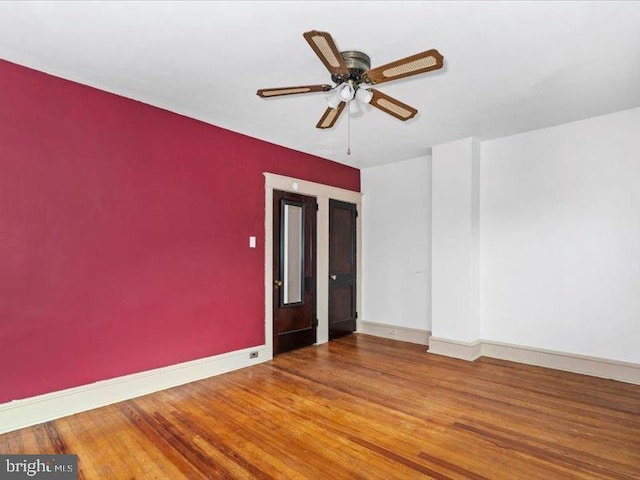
594	366
50	406
453	348
404	334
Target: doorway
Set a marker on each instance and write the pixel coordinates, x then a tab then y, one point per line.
342	268
294	271
322	193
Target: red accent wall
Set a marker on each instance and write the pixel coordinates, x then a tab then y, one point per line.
124	233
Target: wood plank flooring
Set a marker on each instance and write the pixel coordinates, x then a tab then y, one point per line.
360	407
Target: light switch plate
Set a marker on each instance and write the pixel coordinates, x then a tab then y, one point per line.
252	242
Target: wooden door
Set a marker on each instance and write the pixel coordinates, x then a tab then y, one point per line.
294	271
342	268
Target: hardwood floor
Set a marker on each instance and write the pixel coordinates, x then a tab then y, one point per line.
360	407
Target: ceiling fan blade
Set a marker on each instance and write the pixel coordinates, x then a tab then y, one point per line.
330	116
278	92
326	49
406	67
390	105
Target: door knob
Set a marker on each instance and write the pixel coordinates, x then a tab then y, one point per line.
277	283
333	277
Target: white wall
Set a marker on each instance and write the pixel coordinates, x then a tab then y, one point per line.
396	243
455	240
560	238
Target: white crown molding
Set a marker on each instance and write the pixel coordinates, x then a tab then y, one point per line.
404	334
570	362
50	406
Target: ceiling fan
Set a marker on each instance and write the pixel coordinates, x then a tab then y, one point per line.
352	73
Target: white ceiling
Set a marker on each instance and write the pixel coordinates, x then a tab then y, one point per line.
509	66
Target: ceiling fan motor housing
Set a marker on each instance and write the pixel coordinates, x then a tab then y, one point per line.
357	63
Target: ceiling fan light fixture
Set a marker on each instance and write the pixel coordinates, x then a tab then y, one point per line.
346	92
364	95
333	99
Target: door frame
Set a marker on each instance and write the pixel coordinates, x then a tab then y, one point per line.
322	193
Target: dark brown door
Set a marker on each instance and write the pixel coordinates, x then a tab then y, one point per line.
294	271
342	268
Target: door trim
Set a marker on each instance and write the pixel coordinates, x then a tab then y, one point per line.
322	193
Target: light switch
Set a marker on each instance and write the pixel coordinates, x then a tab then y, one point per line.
252	242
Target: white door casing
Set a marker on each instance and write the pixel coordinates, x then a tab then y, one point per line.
322	193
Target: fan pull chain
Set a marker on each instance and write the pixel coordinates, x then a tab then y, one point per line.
348	128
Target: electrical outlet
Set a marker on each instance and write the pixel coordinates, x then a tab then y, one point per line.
253	355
